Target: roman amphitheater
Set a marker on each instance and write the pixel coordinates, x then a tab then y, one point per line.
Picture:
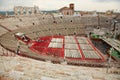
60	48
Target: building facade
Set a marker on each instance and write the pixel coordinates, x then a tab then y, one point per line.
67	10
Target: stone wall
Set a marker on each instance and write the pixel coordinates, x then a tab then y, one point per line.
20	10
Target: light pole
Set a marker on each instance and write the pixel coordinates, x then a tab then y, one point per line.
114	29
98	27
109	59
18	48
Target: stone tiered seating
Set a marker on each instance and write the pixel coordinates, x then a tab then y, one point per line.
1	50
2	30
35	26
10	23
115	70
59	20
5	52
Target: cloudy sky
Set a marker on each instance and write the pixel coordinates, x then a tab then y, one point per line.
87	5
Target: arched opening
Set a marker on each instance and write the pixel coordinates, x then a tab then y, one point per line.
33	23
74	33
67	13
59	34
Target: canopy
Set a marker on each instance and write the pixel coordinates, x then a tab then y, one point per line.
19	34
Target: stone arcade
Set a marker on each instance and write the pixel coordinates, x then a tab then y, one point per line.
19	10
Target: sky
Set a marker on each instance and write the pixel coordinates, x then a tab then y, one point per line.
84	5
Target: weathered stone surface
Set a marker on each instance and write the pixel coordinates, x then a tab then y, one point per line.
20	68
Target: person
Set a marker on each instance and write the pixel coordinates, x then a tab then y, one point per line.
24	38
18	50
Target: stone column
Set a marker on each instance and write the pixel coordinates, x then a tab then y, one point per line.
27	11
18	11
36	10
15	10
32	10
21	10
